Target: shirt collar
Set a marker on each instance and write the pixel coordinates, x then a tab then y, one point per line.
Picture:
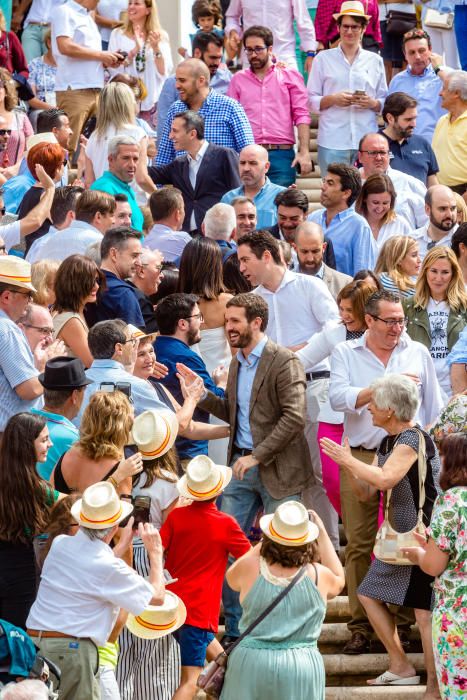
110	176
429	69
320	272
53	417
255	353
107	364
200	155
77	7
362	341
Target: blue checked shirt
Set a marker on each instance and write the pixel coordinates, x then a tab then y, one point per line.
225	124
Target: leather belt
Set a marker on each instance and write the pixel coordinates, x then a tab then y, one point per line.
50	635
277	146
325	374
40	24
242	451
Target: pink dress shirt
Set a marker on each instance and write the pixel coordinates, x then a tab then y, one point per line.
326	27
279	16
273	105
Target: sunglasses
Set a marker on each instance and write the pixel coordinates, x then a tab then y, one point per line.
5	132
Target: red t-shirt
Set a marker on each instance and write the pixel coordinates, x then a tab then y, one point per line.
198	540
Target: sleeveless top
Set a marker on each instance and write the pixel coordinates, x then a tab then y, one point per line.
60	483
161	393
60	320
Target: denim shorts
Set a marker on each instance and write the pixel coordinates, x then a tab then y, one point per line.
193	643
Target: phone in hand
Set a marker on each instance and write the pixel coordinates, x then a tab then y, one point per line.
359	93
141	510
123	54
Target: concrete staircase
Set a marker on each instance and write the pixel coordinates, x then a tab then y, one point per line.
311	184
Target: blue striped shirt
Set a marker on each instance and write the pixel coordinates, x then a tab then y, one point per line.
225	124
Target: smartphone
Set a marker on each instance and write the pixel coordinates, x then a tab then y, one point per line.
359	93
141	509
124	387
123	54
298	168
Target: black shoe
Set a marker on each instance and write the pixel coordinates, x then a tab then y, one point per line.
227	641
357	644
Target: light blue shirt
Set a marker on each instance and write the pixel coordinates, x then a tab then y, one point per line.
352	240
425	89
169	242
458	354
14	190
16	367
143	395
266	210
62	434
245	378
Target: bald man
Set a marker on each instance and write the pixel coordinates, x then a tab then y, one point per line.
309	244
253	166
441	209
226	123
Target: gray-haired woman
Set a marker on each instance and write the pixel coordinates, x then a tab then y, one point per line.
393	406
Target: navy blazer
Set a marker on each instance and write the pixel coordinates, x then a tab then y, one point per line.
218	173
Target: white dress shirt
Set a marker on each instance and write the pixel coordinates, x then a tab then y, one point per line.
343	127
354	367
299	308
11	234
398	227
194	165
423	239
83	586
410	200
60	244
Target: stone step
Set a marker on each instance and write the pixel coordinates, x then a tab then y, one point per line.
309	182
338	609
342	670
335	634
313	196
401	692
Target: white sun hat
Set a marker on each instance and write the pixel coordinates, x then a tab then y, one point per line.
158	620
15	271
203	479
352	8
289	525
154	432
100	507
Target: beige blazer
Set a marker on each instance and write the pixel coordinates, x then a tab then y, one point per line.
334	280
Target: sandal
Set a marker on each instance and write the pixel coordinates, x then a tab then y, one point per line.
389	678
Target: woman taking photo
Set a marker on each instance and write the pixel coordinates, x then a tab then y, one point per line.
77	282
443	556
437	313
398	265
13	122
376	204
25	500
148	48
397	470
280	659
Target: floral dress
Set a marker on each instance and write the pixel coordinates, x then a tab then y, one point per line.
448	528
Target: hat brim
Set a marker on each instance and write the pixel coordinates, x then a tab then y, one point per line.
265	521
15	283
351	13
182	485
144	633
172	423
63	387
127	509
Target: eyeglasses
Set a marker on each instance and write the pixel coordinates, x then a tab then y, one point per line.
200	316
131	340
43	330
23	294
375	153
351	27
255	49
391	322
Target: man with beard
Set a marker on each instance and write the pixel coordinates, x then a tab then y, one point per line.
441	208
310	248
408	152
264	403
179	319
275	101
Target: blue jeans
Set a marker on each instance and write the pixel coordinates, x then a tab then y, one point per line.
460	27
280	171
331	155
242	500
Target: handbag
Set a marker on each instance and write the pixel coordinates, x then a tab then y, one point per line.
400	22
439	20
389	543
211	679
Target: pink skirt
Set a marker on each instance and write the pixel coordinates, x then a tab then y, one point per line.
331	481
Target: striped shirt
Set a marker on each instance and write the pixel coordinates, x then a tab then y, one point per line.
16	367
225	124
390	286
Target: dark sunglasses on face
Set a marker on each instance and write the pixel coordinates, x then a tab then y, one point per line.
5	132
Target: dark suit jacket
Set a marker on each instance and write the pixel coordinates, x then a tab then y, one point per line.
218	173
277	419
328	257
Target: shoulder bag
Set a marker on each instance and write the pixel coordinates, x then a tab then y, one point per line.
439	20
389	543
212	678
399	23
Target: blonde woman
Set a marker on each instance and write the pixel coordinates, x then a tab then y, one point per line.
43	273
398	265
461	208
147	44
437	313
376	204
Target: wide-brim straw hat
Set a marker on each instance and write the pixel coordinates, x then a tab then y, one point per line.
158	620
352	8
203	479
100	507
137	333
154	432
289	525
15	272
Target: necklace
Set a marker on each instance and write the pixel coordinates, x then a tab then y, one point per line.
140	59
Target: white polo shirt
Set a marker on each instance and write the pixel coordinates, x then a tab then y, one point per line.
74	21
424	240
83	586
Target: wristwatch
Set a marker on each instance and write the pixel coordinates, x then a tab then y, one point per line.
439	68
158	54
311	54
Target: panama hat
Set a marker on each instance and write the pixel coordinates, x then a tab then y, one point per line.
353	8
45	137
158	620
15	271
289	525
64	373
100	507
154	432
137	333
203	479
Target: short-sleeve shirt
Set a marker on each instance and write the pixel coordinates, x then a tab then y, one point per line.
117	301
162	493
16	367
62	435
198	540
413	156
113	185
447	528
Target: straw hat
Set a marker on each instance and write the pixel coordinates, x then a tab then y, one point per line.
158	620
45	137
138	334
352	8
203	479
100	507
154	432
15	271
289	525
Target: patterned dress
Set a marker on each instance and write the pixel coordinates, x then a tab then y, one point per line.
448	529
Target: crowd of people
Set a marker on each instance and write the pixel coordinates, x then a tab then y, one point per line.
207	385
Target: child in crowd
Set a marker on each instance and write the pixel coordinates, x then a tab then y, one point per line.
207	17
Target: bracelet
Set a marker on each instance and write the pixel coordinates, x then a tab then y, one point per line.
158	54
311	54
113	482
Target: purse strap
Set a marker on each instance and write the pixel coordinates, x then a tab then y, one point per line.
268	610
422	469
